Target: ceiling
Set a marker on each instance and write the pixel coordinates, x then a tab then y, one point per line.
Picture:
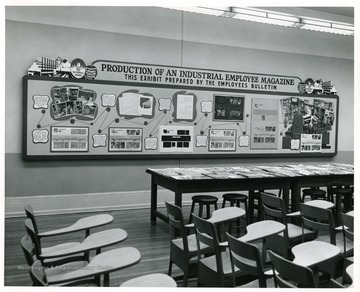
343	11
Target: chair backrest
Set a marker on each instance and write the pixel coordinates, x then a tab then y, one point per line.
246	257
38	275
28	249
274	208
290	275
206	234
31	215
177	223
318	219
35	239
347	222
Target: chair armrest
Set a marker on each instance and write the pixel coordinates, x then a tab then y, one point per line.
293	214
224	244
85	223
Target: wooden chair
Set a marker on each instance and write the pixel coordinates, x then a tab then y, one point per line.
101	265
82	224
65	252
274	208
183	247
214	270
246	257
28	249
151	280
290	275
347	223
318	219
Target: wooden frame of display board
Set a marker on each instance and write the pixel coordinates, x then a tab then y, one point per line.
95	119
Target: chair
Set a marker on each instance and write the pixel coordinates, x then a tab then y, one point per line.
314	193
151	280
290	275
28	249
101	265
348	231
95	241
255	203
274	208
203	200
183	247
246	257
85	223
214	270
318	219
54	261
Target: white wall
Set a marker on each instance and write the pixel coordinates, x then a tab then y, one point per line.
154	36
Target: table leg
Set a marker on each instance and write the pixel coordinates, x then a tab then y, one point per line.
251	206
286	198
153	203
178	199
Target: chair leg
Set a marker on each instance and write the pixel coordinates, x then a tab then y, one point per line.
191	211
186	277
208	214
170	268
200	210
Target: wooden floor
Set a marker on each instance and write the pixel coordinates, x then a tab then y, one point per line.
151	241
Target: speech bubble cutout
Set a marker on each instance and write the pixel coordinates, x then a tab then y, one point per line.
295	144
108	100
206	106
99	140
244	141
164	104
40	136
151	143
201	141
41	101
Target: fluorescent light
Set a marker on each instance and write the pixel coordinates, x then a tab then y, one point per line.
327	29
246	11
264	20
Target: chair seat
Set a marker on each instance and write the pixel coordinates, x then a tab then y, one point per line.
295	232
205	199
235	197
152	280
191	243
72	266
210	262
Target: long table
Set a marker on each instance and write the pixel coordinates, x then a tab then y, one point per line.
288	178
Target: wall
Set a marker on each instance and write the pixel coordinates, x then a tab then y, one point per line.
153	36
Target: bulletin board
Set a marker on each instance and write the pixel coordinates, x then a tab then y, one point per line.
97	119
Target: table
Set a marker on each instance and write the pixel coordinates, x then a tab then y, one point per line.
251	178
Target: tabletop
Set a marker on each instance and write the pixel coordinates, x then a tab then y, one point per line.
103	263
92	242
226	214
350	213
314	252
81	224
262	229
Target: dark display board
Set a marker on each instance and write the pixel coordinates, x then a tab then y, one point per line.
92	119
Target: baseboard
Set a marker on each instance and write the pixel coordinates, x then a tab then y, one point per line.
93	202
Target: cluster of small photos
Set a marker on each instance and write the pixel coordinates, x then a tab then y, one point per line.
62	68
73	101
317	87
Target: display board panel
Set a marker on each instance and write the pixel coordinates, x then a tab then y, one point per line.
88	119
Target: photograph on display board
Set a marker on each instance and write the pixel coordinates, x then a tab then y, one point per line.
222	140
229	108
125	139
264	123
176	139
69	139
307	116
